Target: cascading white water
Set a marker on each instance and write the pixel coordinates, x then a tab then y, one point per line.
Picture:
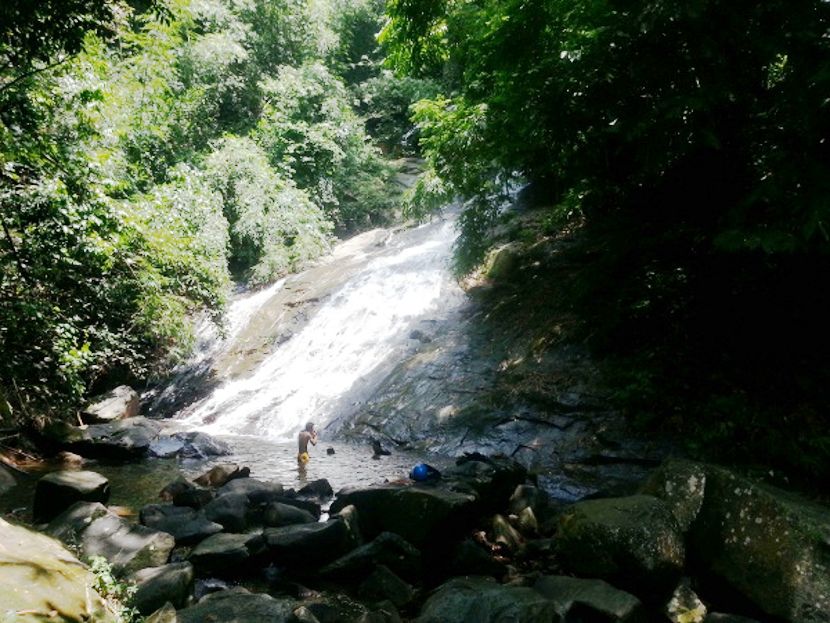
354	331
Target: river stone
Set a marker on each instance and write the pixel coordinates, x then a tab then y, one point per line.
126	439
38	576
117	404
469	558
58	491
680	484
186	525
492	479
308	506
238	606
590	600
685	606
159	585
221	474
440	513
198	445
309	545
387	549
232	511
633	542
258	492
182	492
97	531
224	553
382	612
165	447
277	514
165	614
769	545
462	600
318	489
333	608
7	479
382	584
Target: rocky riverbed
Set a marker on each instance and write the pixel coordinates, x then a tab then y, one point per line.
483	542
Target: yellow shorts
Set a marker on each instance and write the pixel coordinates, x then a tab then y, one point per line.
303	458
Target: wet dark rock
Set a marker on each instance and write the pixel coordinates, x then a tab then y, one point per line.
206	586
566	490
238	606
334	608
7	479
97	531
419	335
309	545
378	450
383	612
117	404
681	485
258	492
387	549
329	451
382	584
633	542
221	474
165	614
469	558
493	479
198	445
768	545
127	439
462	600
419	513
277	514
58	491
165	447
233	511
226	554
590	600
159	585
182	492
185	524
318	490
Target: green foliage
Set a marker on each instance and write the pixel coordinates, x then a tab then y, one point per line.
355	55
117	595
312	135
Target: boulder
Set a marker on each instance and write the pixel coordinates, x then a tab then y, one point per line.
318	490
277	514
39	576
221	474
469	558
310	545
332	608
258	491
58	491
165	614
156	586
198	445
685	606
386	549
233	511
382	612
308	506
7	479
462	600
441	513
165	447
238	606
182	492
225	554
97	531
680	484
505	534
117	404
590	600
382	584
126	439
492	479
766	544
186	525
633	542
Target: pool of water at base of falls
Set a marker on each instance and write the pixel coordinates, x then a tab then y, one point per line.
137	484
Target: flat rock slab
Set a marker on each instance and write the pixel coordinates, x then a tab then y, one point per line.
117	404
98	532
420	514
238	606
58	491
311	544
38	575
590	600
226	553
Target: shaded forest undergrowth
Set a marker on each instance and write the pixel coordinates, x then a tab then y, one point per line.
723	350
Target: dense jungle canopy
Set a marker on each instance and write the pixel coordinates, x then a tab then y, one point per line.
152	154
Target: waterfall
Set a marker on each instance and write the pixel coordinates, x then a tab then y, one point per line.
349	336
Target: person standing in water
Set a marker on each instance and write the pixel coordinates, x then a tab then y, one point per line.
306	436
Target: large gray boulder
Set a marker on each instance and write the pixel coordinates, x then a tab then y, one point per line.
310	545
462	600
590	600
238	606
441	513
681	485
38	576
56	492
117	404
233	511
185	524
386	549
156	586
96	531
198	445
633	542
770	546
278	514
258	492
225	554
126	439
